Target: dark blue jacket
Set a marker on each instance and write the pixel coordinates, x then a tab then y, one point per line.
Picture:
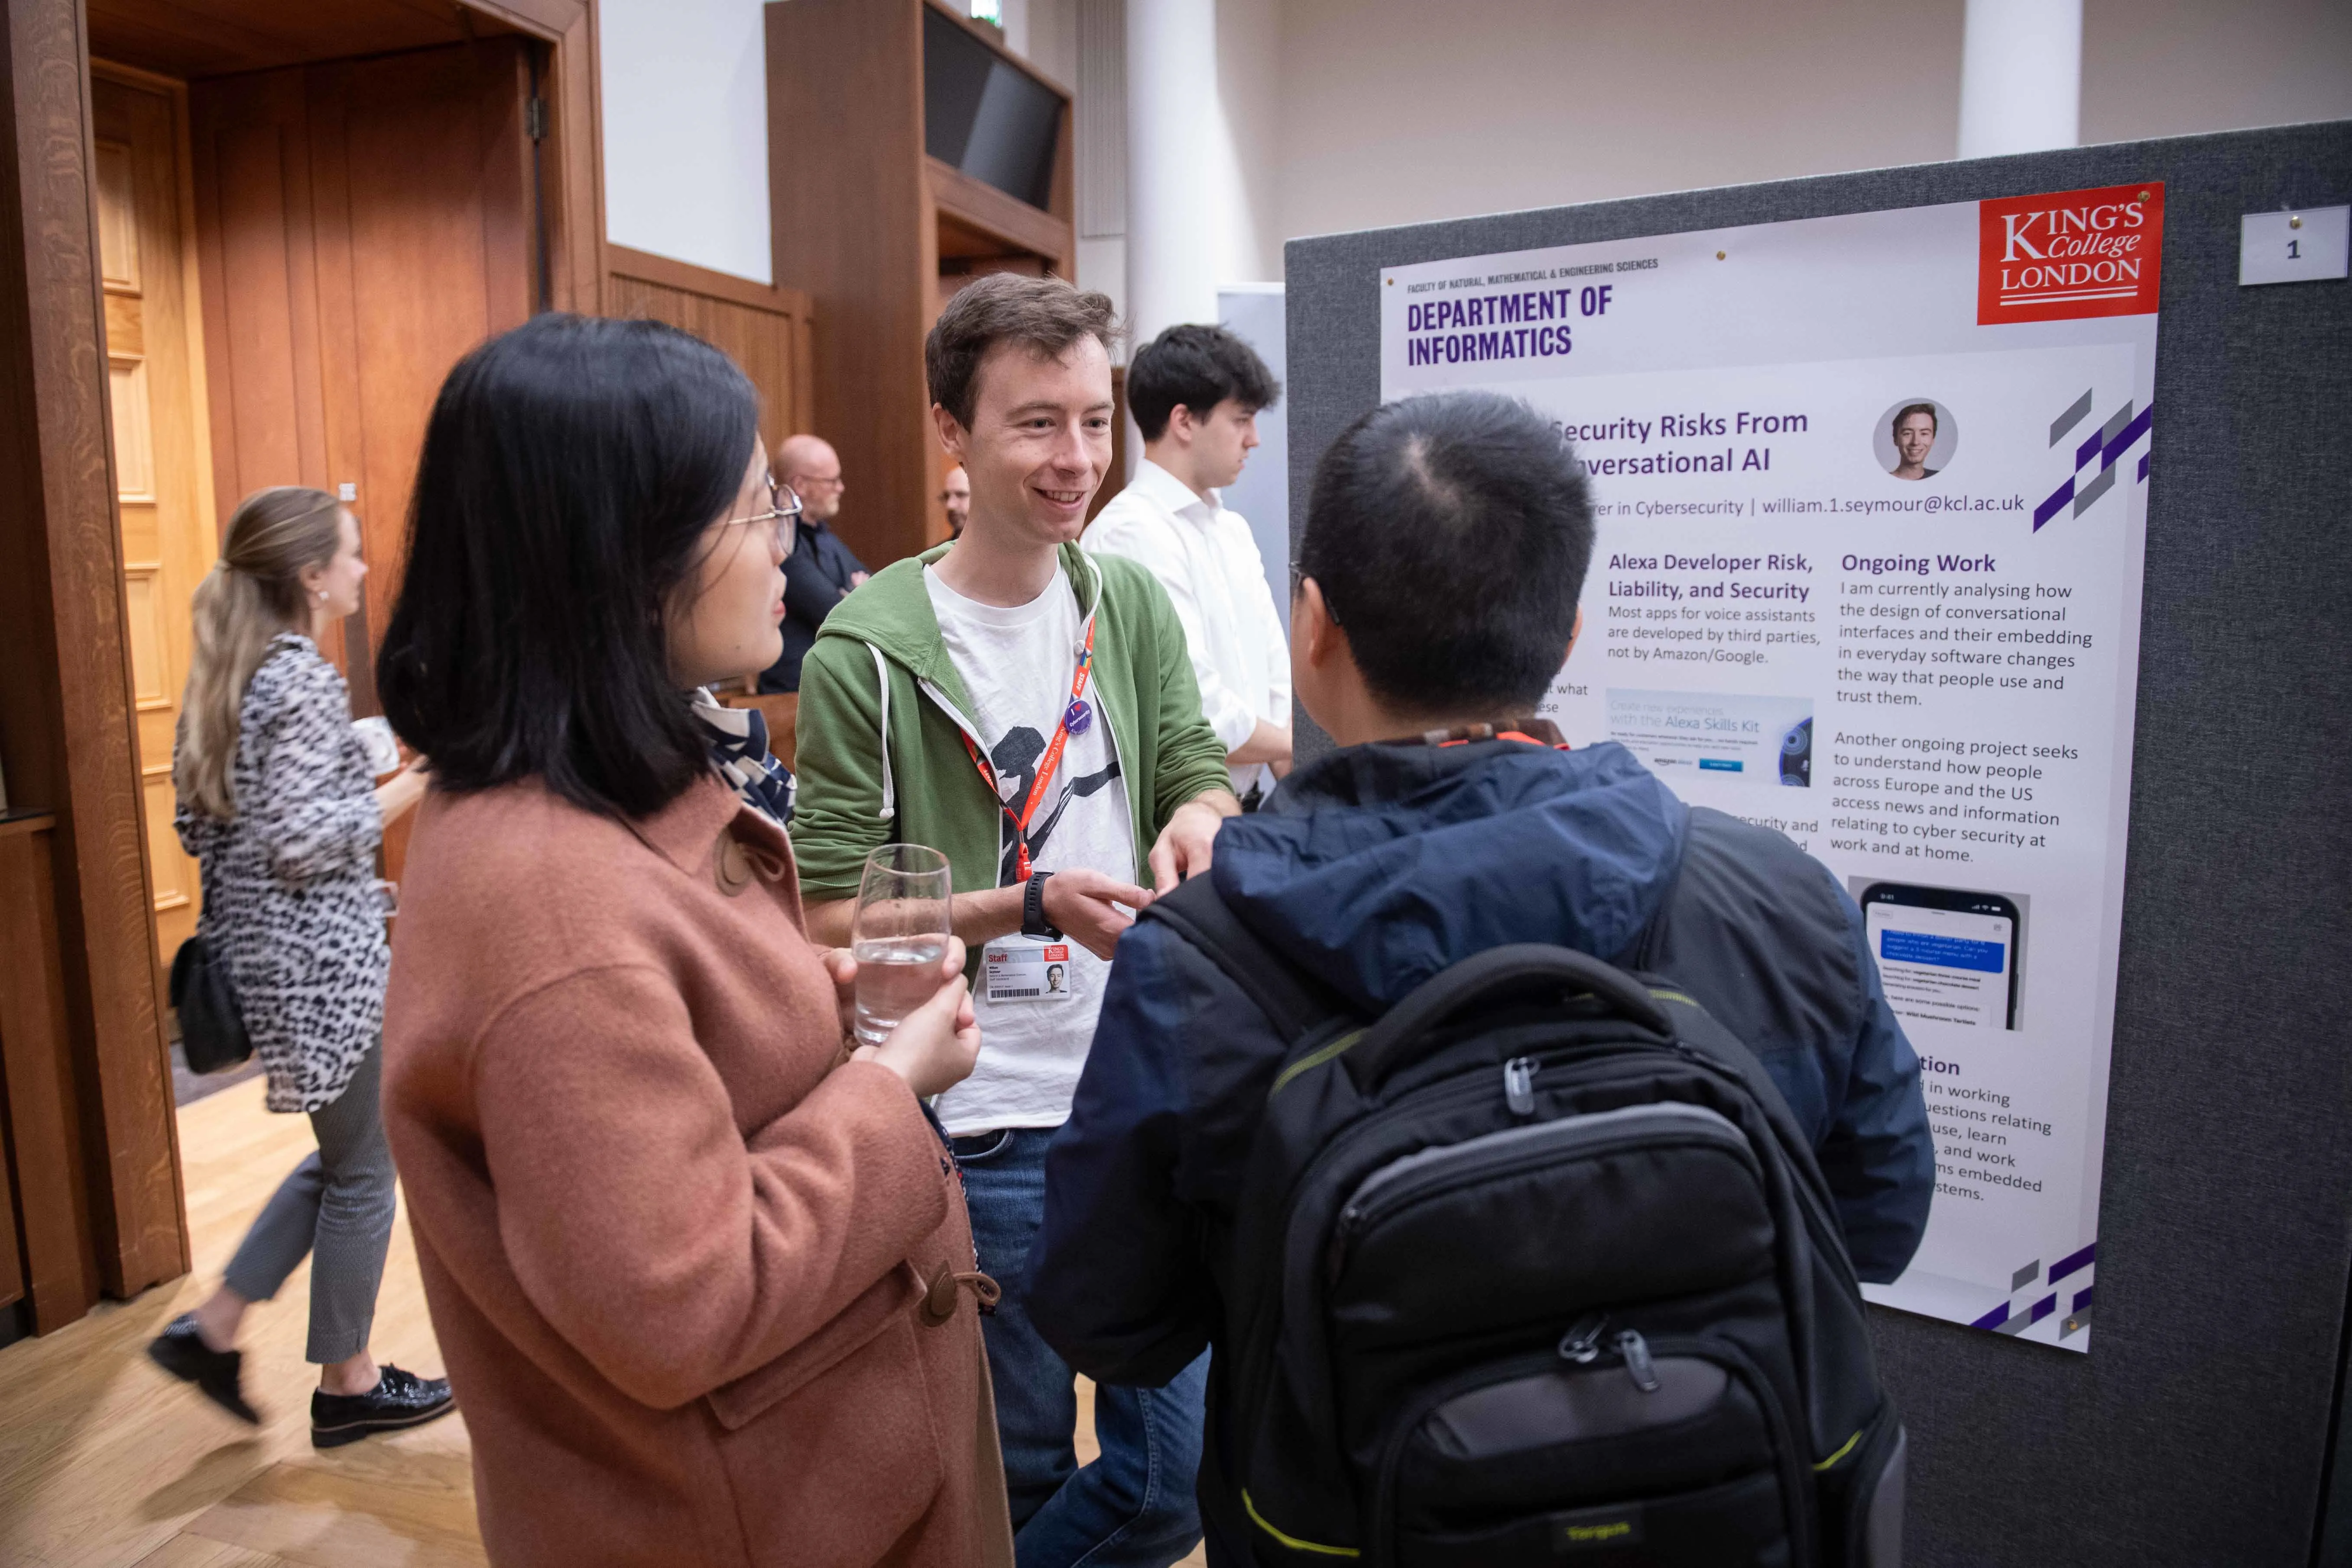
1377	867
816	578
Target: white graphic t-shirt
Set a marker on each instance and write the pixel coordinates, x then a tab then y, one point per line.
1017	666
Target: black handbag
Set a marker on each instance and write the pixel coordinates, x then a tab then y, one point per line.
211	1025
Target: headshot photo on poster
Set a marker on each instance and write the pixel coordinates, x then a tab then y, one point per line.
1916	438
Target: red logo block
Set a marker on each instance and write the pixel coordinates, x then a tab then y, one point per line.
2070	254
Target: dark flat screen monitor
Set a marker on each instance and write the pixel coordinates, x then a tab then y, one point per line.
989	118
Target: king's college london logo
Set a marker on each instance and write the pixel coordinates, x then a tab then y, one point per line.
2070	254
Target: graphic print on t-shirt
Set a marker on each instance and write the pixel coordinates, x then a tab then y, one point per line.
1015	664
1015	759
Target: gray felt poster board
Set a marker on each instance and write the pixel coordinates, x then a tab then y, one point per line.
2197	1432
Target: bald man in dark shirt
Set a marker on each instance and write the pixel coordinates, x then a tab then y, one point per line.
821	571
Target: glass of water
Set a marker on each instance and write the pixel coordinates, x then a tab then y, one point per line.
901	937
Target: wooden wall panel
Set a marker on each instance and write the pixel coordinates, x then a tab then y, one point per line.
44	1140
770	332
867	223
851	215
65	680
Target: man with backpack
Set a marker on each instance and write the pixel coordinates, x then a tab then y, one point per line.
1503	1254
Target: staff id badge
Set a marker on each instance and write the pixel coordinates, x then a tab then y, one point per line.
1024	969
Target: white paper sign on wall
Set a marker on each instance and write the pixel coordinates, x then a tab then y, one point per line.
2293	247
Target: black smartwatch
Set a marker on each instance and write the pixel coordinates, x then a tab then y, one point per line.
1033	909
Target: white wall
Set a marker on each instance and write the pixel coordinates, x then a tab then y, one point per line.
686	130
2174	67
1250	89
1398	111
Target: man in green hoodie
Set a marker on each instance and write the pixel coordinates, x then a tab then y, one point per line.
1030	712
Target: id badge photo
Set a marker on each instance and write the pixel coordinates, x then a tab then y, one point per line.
1026	969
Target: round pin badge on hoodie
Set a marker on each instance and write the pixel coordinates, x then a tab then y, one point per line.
1078	717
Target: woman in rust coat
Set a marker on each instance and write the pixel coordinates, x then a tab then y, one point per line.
702	1275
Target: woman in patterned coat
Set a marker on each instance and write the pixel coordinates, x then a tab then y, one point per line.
277	805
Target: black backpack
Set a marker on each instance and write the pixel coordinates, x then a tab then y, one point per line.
1536	1269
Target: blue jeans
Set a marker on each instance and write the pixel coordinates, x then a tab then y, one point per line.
1133	1507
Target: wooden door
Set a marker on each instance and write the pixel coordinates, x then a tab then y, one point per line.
362	224
163	484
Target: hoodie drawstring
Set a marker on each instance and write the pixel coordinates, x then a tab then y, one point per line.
882	680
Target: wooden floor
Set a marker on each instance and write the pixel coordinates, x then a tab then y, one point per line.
104	1461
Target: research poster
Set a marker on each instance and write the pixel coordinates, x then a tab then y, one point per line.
1873	502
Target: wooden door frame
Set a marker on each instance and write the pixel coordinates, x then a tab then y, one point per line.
572	148
67	707
67	740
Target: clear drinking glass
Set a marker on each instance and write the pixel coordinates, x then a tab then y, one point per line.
900	936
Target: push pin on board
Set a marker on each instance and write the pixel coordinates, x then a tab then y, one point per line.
1719	256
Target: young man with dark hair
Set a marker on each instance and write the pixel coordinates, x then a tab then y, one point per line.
1030	712
1195	393
1914	438
1445	551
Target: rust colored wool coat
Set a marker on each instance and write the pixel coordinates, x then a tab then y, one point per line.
675	1249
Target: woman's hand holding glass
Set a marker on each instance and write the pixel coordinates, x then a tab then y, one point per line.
933	1046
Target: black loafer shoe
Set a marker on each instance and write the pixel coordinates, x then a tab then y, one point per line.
398	1399
181	1351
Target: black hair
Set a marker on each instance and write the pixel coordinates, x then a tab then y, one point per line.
1450	535
1909	409
1199	367
569	469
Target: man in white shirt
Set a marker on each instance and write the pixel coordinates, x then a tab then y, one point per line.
1195	393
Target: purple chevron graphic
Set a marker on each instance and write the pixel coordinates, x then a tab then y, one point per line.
2129	434
2107	444
2049	508
2072	1262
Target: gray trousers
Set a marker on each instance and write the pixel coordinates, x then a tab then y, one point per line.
338	1204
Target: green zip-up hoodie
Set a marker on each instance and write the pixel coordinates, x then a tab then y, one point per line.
879	747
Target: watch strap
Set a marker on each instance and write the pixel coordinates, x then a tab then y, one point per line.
1032	908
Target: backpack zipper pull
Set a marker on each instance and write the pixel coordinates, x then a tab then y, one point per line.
1581	1344
1638	1364
1520	1085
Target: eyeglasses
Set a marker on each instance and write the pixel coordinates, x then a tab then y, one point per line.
783	512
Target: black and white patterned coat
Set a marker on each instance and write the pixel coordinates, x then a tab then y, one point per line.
289	881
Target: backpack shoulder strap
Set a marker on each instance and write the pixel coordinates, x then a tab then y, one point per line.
1199	913
1641	956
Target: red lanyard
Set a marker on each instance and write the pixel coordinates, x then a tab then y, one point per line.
1506	735
1047	765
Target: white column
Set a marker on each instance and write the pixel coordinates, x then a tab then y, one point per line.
2021	77
1173	196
